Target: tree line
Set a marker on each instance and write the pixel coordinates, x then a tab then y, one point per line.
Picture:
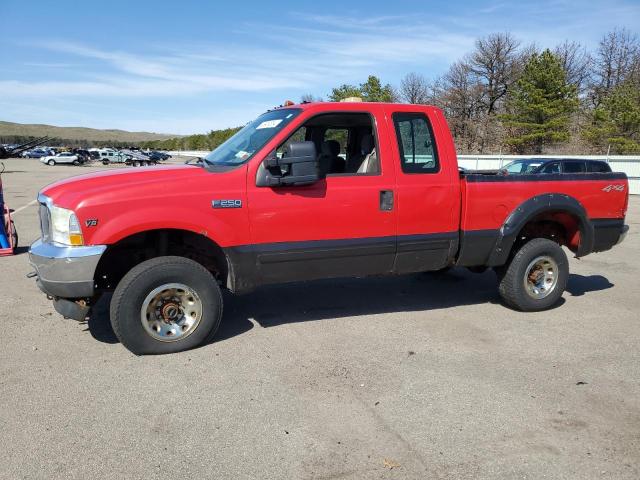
505	96
68	142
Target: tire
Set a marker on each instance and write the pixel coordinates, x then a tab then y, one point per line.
538	257
159	274
76	162
14	235
105	162
51	163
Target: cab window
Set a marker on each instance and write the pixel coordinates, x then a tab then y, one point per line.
345	143
574	167
416	143
551	167
599	167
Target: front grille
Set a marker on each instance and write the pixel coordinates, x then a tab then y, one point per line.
45	223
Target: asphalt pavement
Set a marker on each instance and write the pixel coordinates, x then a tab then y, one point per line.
424	376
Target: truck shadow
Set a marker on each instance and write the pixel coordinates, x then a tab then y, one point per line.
329	299
578	285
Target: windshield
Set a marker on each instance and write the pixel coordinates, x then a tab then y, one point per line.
522	166
244	144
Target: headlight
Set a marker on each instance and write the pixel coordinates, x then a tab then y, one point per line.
65	227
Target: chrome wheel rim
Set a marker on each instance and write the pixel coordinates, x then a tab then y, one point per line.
171	312
541	277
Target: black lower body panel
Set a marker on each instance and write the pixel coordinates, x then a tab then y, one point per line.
422	253
260	264
607	232
476	247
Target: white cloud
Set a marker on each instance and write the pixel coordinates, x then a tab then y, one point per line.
284	58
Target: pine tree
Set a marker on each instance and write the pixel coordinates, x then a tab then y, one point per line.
370	91
616	122
540	106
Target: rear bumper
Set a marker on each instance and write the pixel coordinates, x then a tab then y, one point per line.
623	234
65	272
608	232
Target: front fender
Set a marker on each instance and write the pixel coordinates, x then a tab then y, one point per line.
159	217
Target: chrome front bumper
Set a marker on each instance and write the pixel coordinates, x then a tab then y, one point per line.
65	272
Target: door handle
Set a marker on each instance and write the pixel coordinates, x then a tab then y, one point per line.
386	200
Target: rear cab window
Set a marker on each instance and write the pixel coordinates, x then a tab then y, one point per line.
599	167
416	143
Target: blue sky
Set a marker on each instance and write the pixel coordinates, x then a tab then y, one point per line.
189	67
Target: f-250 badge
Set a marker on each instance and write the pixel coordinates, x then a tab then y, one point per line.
226	203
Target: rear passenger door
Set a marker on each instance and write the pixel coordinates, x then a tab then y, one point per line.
428	204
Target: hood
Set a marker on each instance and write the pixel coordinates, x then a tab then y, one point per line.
127	184
115	204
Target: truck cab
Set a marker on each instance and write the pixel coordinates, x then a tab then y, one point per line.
305	192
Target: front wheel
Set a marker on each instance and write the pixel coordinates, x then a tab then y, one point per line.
166	305
536	277
51	163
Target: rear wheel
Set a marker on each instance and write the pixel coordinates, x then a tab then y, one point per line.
76	162
166	305
105	162
536	277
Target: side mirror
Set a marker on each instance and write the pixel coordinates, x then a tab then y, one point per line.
298	166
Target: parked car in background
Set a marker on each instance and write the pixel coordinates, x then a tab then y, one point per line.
63	158
157	156
36	153
108	156
83	155
555	165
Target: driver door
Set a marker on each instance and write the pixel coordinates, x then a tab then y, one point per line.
339	226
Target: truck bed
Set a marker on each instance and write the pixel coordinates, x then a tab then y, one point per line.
586	209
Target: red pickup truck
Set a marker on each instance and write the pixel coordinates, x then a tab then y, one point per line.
310	191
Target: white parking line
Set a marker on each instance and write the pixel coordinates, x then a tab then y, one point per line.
32	202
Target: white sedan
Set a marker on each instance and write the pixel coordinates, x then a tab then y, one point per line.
64	157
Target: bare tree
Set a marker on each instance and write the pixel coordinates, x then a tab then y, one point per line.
309	98
576	62
496	65
460	96
616	58
414	88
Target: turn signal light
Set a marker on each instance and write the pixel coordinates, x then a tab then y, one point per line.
76	239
